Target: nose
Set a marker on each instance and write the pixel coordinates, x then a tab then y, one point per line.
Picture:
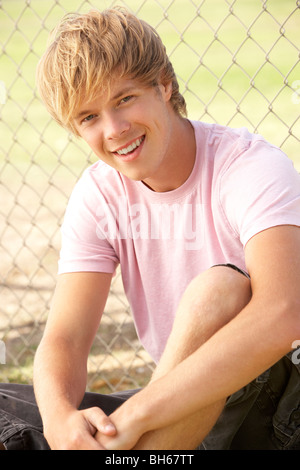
115	126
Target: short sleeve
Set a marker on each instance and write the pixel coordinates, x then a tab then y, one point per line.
260	189
82	249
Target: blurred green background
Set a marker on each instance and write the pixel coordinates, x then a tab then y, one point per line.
238	63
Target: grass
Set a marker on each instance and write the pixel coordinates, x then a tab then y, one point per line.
237	63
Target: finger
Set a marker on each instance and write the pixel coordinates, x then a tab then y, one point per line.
101	421
108	429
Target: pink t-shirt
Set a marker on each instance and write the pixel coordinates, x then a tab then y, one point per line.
239	186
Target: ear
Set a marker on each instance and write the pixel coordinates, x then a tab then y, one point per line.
168	90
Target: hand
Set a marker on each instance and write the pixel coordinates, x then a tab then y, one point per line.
129	428
76	430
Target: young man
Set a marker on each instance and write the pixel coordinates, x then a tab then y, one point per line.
187	209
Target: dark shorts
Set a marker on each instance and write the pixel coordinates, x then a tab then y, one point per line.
21	426
263	415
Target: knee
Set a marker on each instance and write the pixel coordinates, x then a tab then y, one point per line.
210	301
232	286
220	291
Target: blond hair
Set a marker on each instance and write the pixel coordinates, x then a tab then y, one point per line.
87	49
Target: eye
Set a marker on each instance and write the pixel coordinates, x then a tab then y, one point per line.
89	117
126	99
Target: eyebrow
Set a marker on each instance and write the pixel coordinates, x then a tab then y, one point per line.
124	91
120	93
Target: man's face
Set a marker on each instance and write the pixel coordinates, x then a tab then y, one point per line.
129	129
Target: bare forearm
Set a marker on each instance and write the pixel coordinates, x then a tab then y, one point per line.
58	368
234	356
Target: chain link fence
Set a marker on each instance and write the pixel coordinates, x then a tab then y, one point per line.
238	65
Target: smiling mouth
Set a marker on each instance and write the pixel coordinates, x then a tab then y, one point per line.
130	148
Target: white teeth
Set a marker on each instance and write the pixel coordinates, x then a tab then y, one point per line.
131	147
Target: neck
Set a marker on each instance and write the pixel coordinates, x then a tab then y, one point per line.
179	161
